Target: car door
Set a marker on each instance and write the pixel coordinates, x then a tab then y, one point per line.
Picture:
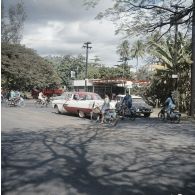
85	103
72	105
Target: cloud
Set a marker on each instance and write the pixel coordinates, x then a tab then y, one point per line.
61	27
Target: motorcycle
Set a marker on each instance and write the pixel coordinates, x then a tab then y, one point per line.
124	111
173	116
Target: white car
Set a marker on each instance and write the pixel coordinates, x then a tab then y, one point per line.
80	103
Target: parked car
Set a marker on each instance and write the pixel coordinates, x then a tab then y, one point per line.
140	106
80	103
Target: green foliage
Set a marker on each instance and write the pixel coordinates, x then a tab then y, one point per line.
22	68
124	49
137	50
64	66
12	23
163	82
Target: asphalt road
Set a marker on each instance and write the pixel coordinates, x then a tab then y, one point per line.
50	154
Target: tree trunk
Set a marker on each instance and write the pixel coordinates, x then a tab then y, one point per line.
192	107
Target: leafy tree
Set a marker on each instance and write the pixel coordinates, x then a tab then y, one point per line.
93	71
22	68
143	16
96	61
12	23
68	64
164	52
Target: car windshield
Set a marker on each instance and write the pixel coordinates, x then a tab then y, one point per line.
67	96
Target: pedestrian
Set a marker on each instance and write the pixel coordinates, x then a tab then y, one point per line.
105	106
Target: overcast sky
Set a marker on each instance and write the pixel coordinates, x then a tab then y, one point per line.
60	27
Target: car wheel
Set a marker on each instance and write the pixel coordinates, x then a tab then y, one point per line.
81	114
56	109
147	115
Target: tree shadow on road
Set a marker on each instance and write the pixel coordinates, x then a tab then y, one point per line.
70	161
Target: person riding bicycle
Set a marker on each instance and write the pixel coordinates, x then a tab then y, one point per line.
105	106
127	101
13	96
42	97
169	103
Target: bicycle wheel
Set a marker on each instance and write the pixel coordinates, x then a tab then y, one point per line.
177	118
21	103
161	116
46	103
7	103
10	103
115	121
38	104
132	117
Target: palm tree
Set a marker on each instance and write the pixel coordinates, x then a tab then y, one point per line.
124	52
123	49
137	51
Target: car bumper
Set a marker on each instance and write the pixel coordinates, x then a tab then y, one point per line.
144	111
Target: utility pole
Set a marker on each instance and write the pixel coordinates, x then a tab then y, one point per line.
192	105
175	76
124	61
86	45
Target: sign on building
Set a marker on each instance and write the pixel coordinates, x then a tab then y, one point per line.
72	74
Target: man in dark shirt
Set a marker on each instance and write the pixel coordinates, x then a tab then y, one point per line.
127	100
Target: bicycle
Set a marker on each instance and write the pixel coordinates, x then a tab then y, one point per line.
173	115
110	116
15	102
126	112
41	103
